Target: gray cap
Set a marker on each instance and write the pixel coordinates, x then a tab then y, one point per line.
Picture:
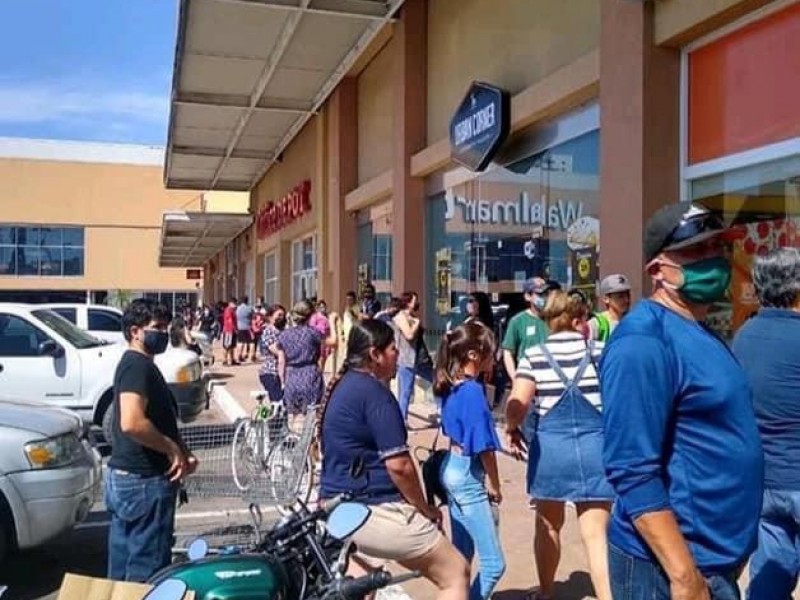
614	284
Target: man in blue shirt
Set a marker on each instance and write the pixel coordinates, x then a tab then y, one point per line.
768	348
681	444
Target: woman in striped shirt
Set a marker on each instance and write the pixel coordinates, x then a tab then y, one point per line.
565	461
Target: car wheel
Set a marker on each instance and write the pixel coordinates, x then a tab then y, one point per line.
108	423
7	536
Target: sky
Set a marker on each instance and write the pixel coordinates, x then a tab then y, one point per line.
90	70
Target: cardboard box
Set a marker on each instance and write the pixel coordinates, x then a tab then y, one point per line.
80	587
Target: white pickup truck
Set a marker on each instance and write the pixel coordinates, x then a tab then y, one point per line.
45	358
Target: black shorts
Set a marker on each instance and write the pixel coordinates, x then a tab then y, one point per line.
244	336
228	340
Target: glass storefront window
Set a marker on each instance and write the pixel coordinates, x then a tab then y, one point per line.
535	217
304	268
375	251
270	279
768	196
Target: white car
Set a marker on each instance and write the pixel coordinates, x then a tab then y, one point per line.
49	475
45	358
105	322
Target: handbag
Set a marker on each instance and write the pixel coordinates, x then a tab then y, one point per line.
423	356
431	468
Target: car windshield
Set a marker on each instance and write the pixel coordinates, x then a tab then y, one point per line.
75	336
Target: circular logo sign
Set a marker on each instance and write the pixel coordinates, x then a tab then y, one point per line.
584	266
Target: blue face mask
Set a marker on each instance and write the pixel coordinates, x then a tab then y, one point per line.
539	302
155	342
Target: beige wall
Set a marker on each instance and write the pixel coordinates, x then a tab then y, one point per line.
375	112
680	21
121	207
509	43
302	160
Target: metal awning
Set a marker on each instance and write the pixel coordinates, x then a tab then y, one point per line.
191	239
249	74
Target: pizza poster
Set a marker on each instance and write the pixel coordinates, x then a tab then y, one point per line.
755	239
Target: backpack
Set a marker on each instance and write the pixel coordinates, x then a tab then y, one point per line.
603	327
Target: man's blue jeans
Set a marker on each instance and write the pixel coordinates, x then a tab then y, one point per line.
142	524
775	564
636	579
472	521
406	376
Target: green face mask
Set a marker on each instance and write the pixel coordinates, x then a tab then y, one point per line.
706	281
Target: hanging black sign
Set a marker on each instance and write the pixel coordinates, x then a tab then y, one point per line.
480	126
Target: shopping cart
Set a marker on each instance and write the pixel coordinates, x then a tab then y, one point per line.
264	459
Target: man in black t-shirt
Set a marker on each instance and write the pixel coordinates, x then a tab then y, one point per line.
148	456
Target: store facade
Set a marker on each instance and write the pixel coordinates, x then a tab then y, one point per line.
642	104
742	148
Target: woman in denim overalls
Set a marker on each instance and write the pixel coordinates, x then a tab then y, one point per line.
565	457
469	472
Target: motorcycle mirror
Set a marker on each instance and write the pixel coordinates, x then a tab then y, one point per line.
169	589
197	549
346	519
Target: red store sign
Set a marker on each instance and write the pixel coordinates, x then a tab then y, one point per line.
279	214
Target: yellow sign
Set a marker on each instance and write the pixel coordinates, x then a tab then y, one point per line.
443	281
584	267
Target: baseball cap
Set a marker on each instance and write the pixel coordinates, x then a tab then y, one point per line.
540	286
678	226
614	284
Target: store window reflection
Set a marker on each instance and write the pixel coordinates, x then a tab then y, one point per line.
537	216
768	196
375	250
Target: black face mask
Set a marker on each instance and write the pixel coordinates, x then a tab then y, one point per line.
155	342
280	323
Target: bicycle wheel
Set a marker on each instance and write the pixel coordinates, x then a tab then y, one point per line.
246	464
291	475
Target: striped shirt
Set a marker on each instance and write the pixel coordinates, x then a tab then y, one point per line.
568	349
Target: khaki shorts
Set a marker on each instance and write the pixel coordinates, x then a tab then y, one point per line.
397	531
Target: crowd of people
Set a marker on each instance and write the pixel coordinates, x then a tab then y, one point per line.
675	448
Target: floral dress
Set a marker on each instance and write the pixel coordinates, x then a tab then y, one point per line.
303	385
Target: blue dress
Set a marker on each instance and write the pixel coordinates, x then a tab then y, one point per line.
303	386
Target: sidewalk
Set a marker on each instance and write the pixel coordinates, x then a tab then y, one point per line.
516	519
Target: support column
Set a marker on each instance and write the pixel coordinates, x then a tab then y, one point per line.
410	131
342	177
639	134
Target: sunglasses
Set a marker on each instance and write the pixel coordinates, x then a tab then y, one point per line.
692	228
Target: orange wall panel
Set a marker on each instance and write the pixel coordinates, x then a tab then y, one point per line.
744	88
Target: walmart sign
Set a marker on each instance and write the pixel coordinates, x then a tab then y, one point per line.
558	214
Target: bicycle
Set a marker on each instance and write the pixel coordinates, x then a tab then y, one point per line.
251	440
264	446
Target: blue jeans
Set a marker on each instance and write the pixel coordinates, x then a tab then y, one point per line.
775	564
406	376
472	521
636	579
142	524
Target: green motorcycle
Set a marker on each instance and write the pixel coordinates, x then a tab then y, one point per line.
304	557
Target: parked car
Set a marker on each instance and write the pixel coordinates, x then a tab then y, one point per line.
45	358
49	474
105	322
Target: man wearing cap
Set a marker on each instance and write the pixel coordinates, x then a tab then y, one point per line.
682	450
615	294
527	329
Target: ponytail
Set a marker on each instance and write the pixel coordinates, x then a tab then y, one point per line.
443	381
326	396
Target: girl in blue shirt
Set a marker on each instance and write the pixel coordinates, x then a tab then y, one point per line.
469	473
